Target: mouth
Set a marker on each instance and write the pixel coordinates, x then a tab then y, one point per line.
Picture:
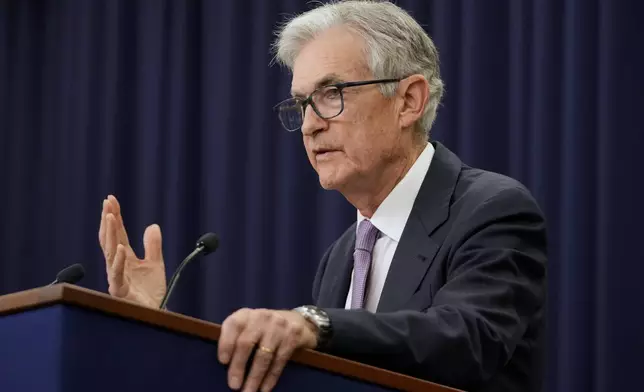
324	152
320	151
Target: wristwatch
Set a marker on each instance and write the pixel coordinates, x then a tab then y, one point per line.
320	319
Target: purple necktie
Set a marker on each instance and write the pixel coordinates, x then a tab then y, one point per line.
365	240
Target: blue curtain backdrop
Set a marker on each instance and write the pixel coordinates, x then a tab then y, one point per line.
167	104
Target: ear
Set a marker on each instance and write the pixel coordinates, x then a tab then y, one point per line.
414	93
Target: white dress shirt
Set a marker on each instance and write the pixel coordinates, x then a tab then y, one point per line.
390	218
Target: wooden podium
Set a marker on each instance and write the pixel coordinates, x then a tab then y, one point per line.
67	338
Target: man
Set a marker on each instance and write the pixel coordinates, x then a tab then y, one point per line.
442	277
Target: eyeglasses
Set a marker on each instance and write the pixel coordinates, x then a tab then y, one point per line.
326	101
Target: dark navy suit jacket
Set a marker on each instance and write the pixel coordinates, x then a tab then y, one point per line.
464	300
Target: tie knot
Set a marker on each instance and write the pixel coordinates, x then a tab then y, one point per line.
367	234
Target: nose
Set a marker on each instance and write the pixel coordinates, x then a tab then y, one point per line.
312	123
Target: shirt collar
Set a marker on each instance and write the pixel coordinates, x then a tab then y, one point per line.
391	216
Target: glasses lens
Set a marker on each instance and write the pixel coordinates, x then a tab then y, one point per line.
328	101
290	114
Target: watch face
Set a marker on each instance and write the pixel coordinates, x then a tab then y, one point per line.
316	316
321	320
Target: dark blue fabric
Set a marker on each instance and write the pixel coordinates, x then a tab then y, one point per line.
167	104
65	348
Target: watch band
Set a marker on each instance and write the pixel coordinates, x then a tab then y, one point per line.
320	319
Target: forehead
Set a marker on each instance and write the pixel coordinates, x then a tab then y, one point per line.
337	52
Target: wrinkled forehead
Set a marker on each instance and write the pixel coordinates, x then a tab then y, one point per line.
336	55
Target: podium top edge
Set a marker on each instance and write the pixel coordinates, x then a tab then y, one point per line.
89	299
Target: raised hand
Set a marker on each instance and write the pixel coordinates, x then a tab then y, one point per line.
139	280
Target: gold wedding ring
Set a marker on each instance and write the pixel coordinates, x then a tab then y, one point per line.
265	349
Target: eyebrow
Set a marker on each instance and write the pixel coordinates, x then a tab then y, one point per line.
325	81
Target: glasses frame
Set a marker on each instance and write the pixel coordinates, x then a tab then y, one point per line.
340	86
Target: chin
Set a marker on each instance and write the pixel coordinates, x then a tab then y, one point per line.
329	179
327	184
335	175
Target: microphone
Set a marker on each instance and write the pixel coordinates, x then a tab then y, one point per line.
71	274
206	244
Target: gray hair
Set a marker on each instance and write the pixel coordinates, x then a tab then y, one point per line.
396	45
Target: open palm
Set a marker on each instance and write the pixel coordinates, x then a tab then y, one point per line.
140	280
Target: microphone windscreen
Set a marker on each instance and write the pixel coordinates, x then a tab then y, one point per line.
71	274
209	241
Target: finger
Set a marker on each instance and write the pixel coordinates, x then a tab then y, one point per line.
243	348
116	210
110	241
231	328
152	243
271	343
239	337
117	280
103	227
261	362
283	354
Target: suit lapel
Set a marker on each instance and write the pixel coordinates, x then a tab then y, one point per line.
413	256
417	248
337	277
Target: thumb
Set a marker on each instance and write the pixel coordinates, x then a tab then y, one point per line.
152	243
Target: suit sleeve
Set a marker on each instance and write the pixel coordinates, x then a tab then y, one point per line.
494	287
